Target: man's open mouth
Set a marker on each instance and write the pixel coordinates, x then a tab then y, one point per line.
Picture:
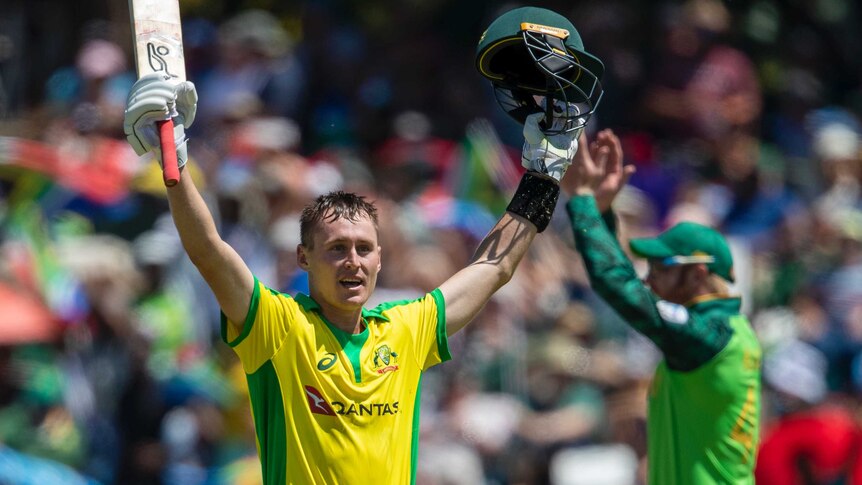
350	282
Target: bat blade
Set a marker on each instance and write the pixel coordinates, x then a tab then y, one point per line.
158	38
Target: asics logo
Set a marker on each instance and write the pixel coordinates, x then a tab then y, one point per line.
327	361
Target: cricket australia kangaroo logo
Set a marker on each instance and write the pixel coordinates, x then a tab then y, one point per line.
385	359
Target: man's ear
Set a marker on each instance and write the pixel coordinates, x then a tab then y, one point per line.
301	257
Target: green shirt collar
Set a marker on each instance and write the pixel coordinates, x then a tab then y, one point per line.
308	304
723	304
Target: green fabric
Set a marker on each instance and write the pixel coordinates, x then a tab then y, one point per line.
414	440
164	319
704	404
703	425
249	318
442	336
41	378
309	304
351	343
610	220
46	432
688	239
612	276
269	422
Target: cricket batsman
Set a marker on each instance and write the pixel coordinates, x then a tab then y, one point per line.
335	386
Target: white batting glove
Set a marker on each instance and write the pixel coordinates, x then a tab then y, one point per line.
154	98
550	155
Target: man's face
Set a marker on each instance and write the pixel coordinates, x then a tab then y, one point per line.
342	263
671	282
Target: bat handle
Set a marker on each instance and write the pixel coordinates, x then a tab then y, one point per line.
171	172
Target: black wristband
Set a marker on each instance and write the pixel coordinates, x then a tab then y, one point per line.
535	199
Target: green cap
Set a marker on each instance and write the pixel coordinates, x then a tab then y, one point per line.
504	34
686	243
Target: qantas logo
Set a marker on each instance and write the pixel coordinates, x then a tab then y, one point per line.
318	405
316	402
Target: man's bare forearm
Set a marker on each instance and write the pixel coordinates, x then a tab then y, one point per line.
227	275
493	266
194	221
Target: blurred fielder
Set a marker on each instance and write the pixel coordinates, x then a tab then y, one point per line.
704	403
334	386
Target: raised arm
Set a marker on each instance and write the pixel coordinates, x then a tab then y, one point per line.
686	340
220	265
154	99
546	159
493	265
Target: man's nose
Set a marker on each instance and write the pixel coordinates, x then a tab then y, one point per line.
352	259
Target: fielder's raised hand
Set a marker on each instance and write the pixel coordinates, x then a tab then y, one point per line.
598	169
154	98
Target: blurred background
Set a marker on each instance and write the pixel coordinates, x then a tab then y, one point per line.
741	115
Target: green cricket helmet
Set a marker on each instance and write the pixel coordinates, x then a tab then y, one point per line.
536	61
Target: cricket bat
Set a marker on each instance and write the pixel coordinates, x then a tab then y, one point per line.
158	38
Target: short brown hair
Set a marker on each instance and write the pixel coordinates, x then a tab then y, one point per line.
331	207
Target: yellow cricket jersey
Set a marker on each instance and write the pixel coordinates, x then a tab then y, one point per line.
331	407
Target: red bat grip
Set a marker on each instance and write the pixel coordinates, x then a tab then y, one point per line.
170	171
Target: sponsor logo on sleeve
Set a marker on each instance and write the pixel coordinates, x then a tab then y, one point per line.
672	312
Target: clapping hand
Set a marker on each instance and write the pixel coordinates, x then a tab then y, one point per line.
598	169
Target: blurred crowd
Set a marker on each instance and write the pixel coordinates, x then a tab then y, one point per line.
740	115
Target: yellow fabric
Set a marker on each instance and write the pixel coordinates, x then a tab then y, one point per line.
339	430
150	180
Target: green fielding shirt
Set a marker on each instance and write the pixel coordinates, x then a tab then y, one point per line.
704	403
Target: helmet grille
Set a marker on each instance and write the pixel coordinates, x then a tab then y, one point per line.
539	74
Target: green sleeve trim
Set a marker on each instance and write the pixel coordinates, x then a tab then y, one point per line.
414	439
267	409
442	337
249	318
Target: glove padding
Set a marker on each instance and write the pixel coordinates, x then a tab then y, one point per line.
155	98
549	155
